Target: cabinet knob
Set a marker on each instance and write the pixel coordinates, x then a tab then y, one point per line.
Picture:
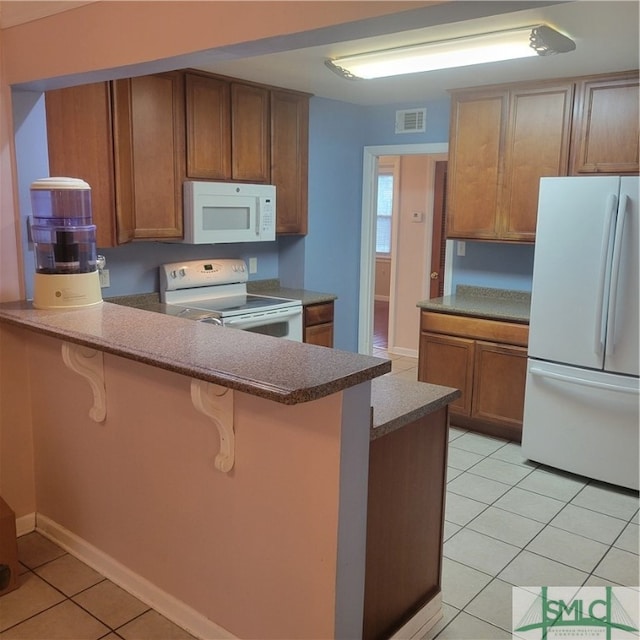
434	275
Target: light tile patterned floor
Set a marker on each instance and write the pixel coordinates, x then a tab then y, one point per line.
508	522
60	597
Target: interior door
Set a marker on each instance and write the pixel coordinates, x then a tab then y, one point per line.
438	238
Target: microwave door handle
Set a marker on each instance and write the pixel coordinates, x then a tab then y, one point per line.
258	217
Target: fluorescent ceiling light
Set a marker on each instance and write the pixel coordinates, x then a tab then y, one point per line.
539	40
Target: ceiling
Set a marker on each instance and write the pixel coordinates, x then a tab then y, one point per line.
605	32
606	36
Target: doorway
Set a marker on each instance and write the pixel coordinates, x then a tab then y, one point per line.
368	243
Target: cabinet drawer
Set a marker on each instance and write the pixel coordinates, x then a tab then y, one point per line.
477	328
318	313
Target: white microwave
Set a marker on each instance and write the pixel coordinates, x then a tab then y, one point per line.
228	212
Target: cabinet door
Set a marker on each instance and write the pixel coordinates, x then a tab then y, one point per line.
475	164
289	159
320	334
499	384
80	144
318	324
606	125
150	154
208	128
448	361
249	133
537	145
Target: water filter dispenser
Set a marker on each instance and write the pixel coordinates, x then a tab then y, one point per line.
64	239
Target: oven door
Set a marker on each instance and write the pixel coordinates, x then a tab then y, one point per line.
280	323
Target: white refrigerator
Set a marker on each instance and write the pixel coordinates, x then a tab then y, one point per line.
582	389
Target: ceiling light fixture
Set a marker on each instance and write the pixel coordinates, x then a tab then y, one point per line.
538	40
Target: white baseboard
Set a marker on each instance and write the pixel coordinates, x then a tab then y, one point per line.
164	603
422	622
25	524
401	351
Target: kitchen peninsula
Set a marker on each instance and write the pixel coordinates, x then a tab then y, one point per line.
220	475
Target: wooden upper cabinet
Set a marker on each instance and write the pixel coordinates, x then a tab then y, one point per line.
606	132
537	145
289	159
503	140
250	137
208	117
80	145
228	133
476	141
150	153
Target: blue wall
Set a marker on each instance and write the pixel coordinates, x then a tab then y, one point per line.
332	246
380	124
493	264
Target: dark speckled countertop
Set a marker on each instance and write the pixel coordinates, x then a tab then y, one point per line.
273	288
151	301
281	370
398	402
483	302
273	368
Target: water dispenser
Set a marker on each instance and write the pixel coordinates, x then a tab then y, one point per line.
64	237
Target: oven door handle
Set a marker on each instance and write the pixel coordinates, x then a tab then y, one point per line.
268	317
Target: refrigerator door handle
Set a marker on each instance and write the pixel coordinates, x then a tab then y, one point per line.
604	273
615	274
581	381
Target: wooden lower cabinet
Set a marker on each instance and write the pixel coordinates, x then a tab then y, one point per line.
318	324
499	380
490	373
448	361
405	519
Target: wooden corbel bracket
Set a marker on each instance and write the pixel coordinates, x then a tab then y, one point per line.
216	402
88	363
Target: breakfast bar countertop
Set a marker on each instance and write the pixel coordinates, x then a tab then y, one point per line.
273	368
398	402
483	302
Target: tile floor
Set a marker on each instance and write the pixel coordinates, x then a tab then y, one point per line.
508	522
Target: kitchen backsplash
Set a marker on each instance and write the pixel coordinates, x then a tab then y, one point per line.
493	264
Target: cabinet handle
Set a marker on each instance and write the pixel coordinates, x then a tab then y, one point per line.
434	275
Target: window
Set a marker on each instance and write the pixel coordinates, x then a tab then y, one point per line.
383	213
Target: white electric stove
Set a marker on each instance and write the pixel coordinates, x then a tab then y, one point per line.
215	291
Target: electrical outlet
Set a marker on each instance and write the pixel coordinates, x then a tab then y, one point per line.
461	248
253	265
104	278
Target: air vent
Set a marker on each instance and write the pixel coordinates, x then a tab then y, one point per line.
411	121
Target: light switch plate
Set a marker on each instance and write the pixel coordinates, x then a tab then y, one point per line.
253	265
461	248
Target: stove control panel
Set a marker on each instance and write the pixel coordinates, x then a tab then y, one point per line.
202	273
